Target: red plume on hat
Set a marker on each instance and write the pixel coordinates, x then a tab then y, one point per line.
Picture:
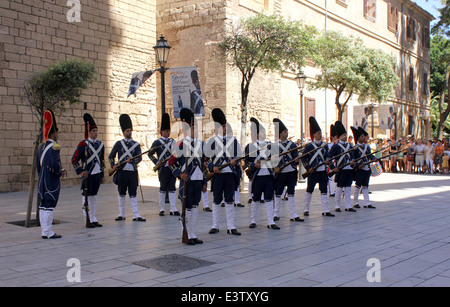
48	122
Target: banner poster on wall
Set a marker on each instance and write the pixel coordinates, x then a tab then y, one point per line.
383	116
186	92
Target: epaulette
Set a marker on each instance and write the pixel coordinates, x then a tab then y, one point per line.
56	146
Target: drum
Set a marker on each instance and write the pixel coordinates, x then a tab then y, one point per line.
376	169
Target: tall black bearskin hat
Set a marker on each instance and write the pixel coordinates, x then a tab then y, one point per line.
256	127
362	131
279	126
356	133
89	124
165	122
218	116
340	129
125	122
332	130
187	116
49	124
313	126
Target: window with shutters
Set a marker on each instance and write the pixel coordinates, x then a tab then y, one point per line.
370	9
426	37
344	3
411	79
425	84
411	28
392	18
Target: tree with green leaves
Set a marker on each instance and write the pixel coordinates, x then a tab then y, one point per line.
439	84
349	68
53	88
440	65
268	44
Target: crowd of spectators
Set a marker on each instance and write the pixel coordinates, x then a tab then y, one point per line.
417	155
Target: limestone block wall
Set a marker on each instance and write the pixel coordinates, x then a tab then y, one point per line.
117	36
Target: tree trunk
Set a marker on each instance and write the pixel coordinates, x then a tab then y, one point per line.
443	114
31	187
244	96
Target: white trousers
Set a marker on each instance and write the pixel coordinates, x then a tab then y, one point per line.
46	220
229	209
269	212
291	202
191	222
323	200
172	201
92	207
133	205
365	192
347	192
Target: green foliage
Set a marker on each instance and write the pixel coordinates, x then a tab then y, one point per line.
267	42
61	83
442	26
440	60
435	116
378	71
348	67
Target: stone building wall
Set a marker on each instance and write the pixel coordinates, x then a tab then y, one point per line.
117	36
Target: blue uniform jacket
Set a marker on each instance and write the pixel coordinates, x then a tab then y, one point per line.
193	150
132	146
337	149
49	170
258	151
286	146
162	152
363	151
315	157
79	155
218	155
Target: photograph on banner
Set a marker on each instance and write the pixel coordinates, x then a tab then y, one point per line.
137	79
186	92
362	116
387	116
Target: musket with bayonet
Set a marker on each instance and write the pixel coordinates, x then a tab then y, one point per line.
330	174
212	174
307	173
121	165
300	157
248	171
391	154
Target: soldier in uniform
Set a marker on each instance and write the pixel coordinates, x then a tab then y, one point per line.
287	177
196	95
223	149
187	163
318	175
167	181
261	174
92	153
343	177
333	140
126	177
50	172
362	173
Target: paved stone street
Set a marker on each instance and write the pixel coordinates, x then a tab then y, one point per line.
408	233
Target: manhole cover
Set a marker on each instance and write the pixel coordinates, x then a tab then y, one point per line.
173	263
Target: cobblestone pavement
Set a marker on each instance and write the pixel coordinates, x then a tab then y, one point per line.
403	242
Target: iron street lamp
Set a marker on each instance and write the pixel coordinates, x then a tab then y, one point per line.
162	50
301	80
